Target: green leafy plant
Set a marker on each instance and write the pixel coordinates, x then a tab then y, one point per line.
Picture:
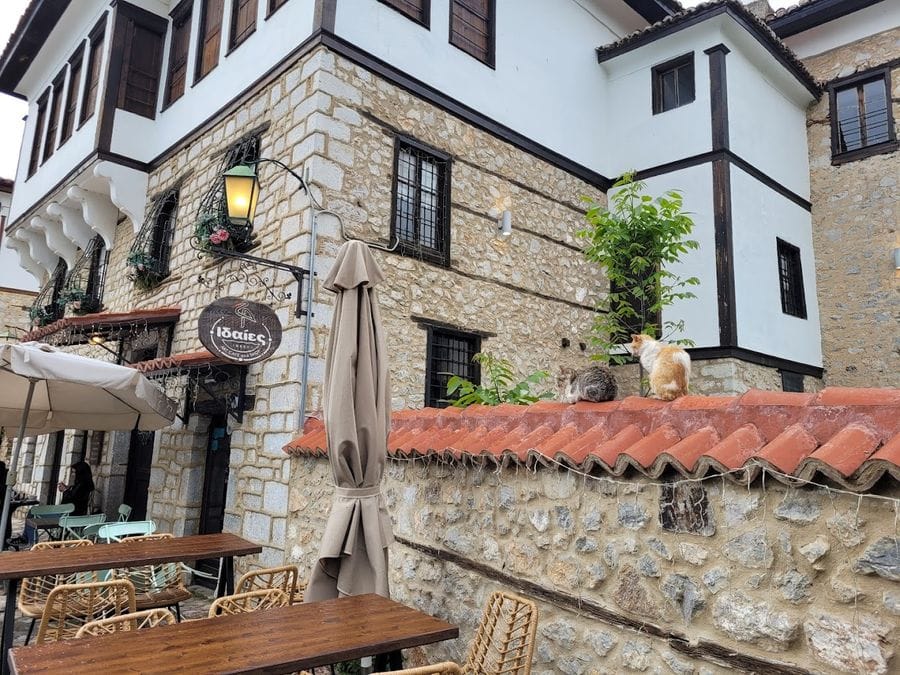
143	270
40	315
636	241
502	387
78	300
214	231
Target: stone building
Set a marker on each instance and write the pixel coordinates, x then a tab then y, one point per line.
16	285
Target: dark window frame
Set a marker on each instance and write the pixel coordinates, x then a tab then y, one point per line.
201	40
235	41
34	160
180	17
73	94
439	256
490	59
96	47
474	375
273	6
790	279
791	381
97	272
58	90
129	18
660	70
855	81
423	18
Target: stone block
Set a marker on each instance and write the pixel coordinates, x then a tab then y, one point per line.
716	579
750	549
758	623
636	655
685	594
684	508
800	506
881	558
601	641
633	596
847	527
863	645
256	527
794	586
632	515
693	553
275	497
739	507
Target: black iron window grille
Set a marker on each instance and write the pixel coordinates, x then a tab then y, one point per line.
421	210
861	120
673	83
449	352
790	273
83	290
213	227
148	259
46	307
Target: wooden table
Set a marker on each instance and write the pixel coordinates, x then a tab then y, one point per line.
278	640
15	566
49	524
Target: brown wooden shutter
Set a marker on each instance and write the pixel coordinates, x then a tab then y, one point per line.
71	99
140	70
38	133
275	4
472	28
414	9
243	20
53	122
210	36
93	74
178	55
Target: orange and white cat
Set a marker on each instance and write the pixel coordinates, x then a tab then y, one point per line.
669	366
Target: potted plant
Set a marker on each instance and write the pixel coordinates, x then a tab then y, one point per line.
78	300
40	315
143	270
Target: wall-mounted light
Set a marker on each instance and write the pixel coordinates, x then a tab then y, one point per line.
504	224
96	339
897	258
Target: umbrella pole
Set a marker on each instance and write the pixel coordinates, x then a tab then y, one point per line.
13	461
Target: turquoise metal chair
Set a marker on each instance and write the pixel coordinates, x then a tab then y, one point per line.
73	526
124	513
111	532
50	511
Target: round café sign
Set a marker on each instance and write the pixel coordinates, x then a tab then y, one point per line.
240	331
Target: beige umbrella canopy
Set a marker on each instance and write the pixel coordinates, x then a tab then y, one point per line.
353	557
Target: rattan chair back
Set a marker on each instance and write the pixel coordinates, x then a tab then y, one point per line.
286	578
70	606
155	585
251	601
149	618
504	641
33	591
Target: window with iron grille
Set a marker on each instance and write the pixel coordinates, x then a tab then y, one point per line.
96	279
449	352
862	123
83	290
53	119
417	10
95	62
148	259
790	274
144	34
473	28
71	97
421	217
673	83
210	36
47	307
178	51
38	133
243	21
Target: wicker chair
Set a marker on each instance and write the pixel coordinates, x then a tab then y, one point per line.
149	618
285	578
503	643
70	606
251	601
34	590
156	586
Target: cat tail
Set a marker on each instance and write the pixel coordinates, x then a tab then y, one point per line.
684	360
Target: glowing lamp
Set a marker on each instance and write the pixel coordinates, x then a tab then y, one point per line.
241	193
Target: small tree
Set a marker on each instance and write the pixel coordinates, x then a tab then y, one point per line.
635	241
503	387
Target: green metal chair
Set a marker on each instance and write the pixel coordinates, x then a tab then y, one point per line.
124	513
49	511
73	526
110	532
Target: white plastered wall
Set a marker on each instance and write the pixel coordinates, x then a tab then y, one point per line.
882	16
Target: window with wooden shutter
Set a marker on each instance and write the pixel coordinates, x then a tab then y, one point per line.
243	21
141	67
38	133
275	4
210	36
71	98
53	120
417	10
178	52
472	28
95	62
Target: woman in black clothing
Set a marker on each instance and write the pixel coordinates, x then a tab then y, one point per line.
79	492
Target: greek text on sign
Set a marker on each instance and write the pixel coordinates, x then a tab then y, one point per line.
239	330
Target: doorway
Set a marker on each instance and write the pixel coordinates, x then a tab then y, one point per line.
137	477
56	462
215	485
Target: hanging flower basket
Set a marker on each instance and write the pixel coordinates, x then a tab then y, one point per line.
213	231
143	270
78	300
40	315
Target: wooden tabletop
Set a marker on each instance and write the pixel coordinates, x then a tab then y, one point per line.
269	641
17	565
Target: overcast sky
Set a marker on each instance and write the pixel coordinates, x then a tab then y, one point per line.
13	110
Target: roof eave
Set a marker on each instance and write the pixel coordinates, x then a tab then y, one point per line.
39	19
654	10
815	14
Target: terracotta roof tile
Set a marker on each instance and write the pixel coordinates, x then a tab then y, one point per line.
104	321
850	437
176	361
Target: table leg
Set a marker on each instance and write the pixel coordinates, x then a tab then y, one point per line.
225	586
9	623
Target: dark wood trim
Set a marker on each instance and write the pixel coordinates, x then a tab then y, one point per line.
862	153
27	41
107	102
883	72
768	181
424	20
582	606
98	32
123	160
654	10
462	111
718	95
815	14
183	12
656	81
520	289
233	43
325	15
677	165
155	24
750	356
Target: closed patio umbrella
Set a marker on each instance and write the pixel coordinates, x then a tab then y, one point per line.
353	557
43	390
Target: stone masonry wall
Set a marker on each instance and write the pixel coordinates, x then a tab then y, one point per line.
14	305
855	215
700	578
